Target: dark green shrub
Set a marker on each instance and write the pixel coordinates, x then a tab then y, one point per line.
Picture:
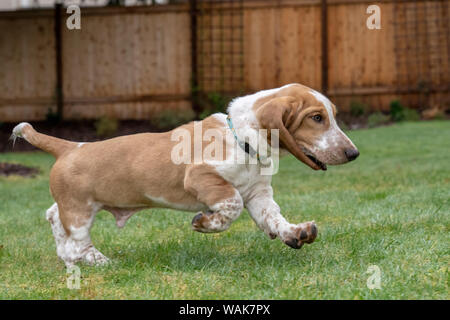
377	119
169	119
357	108
105	126
215	102
397	111
410	115
400	113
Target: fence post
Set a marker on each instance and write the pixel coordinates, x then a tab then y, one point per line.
194	77
324	43
59	62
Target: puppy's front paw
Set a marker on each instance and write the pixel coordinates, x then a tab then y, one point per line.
303	233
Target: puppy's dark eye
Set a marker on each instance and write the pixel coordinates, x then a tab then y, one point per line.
317	118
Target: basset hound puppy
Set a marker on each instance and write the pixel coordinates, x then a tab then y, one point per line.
215	167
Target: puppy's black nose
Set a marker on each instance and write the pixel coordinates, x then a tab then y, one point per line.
351	154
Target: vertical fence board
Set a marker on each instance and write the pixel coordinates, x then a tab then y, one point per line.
127	55
27	67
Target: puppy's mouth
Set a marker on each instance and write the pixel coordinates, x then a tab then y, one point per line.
309	154
322	165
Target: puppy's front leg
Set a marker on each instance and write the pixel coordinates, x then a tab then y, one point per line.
223	200
266	214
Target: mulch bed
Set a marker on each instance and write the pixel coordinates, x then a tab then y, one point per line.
7	169
84	131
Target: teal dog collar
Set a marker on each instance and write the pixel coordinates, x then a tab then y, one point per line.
243	144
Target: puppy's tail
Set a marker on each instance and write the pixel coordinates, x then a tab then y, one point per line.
47	143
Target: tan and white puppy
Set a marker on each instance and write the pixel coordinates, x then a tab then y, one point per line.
126	174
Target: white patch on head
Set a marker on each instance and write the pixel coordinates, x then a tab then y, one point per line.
327	104
80	144
241	108
331	137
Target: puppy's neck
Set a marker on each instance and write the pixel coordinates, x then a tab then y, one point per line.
243	117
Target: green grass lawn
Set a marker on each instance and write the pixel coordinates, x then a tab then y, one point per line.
389	208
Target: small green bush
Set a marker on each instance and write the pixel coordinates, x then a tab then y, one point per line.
377	119
105	126
357	108
400	113
396	111
410	115
169	119
215	102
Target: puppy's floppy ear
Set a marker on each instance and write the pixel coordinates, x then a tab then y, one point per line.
282	113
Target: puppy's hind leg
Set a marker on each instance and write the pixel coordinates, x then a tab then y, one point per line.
59	233
73	241
79	246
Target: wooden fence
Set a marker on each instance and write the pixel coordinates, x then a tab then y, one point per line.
285	41
132	62
124	62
